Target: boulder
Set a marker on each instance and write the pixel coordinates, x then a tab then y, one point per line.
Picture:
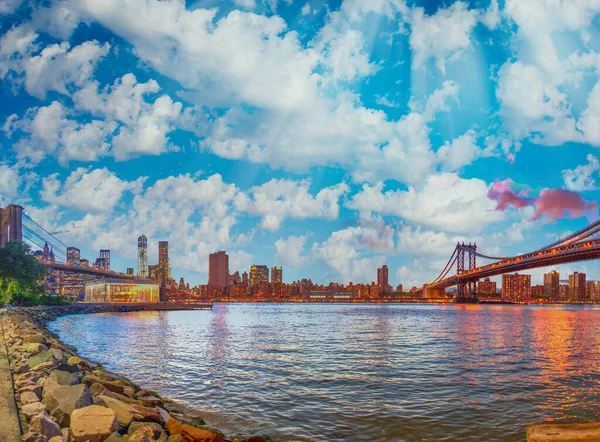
42	424
123	411
173	426
129	391
152	431
40	358
32	409
92	424
150	401
57	354
66	434
35	338
194	434
28	397
34	388
144	392
113	386
147	414
79	363
23	368
34	348
58	378
33	437
62	400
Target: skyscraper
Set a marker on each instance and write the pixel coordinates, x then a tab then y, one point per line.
164	270
218	269
382	276
258	273
552	284
577	286
142	256
245	278
106	255
276	274
516	288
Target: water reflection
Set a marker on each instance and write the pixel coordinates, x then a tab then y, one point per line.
360	372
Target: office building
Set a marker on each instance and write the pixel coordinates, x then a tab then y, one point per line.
276	274
258	274
245	278
577	286
142	270
516	288
552	285
105	254
382	276
218	269
486	287
164	270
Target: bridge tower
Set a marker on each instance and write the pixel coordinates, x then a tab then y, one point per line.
11	224
466	292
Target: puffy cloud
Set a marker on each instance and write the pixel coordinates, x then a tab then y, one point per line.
305	9
554	204
461	152
444	202
582	177
98	190
15	182
491	16
277	200
9	6
289	251
443	36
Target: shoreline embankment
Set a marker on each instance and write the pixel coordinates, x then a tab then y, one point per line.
62	397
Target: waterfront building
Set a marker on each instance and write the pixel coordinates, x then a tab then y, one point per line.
129	271
71	284
106	255
537	290
552	284
218	269
122	290
516	287
142	256
181	284
164	271
563	291
486	287
276	274
245	278
328	295
577	286
258	274
73	256
153	272
382	276
399	288
235	278
100	263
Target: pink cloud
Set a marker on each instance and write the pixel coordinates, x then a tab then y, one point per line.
555	204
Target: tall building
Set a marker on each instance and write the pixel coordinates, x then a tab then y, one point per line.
181	283
245	278
142	256
486	287
276	274
552	284
106	255
577	286
258	273
516	288
73	256
164	270
218	269
382	276
100	263
129	271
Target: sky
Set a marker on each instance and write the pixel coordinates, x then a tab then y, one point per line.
326	137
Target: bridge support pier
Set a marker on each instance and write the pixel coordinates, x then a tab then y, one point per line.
11	224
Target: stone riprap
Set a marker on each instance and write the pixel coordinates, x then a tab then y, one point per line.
63	397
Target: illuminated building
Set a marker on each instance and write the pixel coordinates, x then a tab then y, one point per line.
577	286
73	256
593	290
181	284
516	288
563	291
382	276
245	278
552	284
537	290
276	274
84	262
153	272
319	295
106	255
486	287
235	278
71	284
122	290
258	274
142	256
218	269
399	288
100	263
164	271
129	271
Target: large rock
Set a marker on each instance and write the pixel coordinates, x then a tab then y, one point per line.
32	409
28	397
152	432
34	388
147	414
92	424
42	424
58	378
33	437
173	426
80	363
123	411
34	348
42	357
113	386
194	434
35	338
63	400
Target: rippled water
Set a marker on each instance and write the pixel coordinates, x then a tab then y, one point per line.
362	372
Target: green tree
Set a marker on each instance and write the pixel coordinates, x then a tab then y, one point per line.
21	275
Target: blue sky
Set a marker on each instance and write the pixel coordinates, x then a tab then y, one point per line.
325	137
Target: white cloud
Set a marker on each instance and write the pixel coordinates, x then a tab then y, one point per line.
462	151
305	9
443	36
98	190
491	16
277	200
9	6
248	4
582	177
444	202
15	182
289	251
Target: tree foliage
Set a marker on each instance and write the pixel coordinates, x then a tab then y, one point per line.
21	275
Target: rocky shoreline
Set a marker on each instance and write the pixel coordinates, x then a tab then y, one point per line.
63	397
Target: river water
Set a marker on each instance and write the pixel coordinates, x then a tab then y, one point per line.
360	372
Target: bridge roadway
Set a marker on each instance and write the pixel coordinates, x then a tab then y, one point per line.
579	251
86	270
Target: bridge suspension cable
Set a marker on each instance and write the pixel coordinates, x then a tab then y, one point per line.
449	265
